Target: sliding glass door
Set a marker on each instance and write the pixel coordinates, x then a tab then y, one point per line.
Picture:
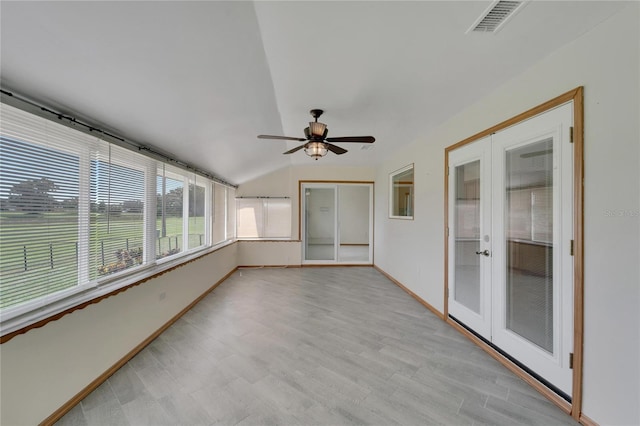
337	225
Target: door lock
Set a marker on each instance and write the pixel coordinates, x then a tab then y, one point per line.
484	253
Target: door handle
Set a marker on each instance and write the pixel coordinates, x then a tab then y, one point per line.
484	253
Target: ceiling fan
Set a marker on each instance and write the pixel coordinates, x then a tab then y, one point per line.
317	143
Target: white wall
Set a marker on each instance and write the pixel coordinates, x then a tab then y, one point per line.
606	62
269	253
46	367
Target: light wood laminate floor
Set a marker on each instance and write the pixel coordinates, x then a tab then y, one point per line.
312	346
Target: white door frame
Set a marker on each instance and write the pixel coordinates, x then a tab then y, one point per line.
336	186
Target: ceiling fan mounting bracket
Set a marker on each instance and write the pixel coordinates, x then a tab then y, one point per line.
316	113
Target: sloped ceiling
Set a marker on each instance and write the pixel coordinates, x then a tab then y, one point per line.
201	79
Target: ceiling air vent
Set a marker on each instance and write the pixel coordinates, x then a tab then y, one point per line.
496	15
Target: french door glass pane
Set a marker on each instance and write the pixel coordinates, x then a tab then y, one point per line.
529	242
467	235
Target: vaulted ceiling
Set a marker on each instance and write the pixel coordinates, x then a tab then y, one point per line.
201	79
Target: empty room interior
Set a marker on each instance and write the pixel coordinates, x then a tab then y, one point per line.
320	213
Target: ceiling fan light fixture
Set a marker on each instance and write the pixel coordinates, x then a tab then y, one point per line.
316	150
317	129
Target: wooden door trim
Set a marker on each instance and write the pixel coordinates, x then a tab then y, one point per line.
577	97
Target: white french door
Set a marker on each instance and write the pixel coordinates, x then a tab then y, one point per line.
470	236
510	233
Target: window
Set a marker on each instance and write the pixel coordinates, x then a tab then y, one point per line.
116	210
77	212
263	218
169	212
231	213
401	193
219	216
39	217
197	207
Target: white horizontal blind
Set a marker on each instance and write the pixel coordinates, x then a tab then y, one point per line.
117	210
231	214
277	218
77	211
40	217
197	207
170	211
219	227
249	218
263	218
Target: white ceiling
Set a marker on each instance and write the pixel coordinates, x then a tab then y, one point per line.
201	79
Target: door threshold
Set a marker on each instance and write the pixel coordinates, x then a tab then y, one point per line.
521	366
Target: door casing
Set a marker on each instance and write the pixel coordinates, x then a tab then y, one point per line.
576	97
302	184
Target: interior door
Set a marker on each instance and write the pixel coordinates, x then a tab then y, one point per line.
510	270
470	236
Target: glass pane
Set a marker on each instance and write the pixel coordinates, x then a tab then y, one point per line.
39	188
196	215
169	215
320	224
529	233
467	235
117	217
354	223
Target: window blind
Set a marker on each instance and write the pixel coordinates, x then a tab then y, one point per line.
40	213
116	209
77	211
263	218
196	215
230	208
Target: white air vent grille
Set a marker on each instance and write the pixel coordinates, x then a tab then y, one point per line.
496	16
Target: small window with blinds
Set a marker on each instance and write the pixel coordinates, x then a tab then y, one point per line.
263	218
